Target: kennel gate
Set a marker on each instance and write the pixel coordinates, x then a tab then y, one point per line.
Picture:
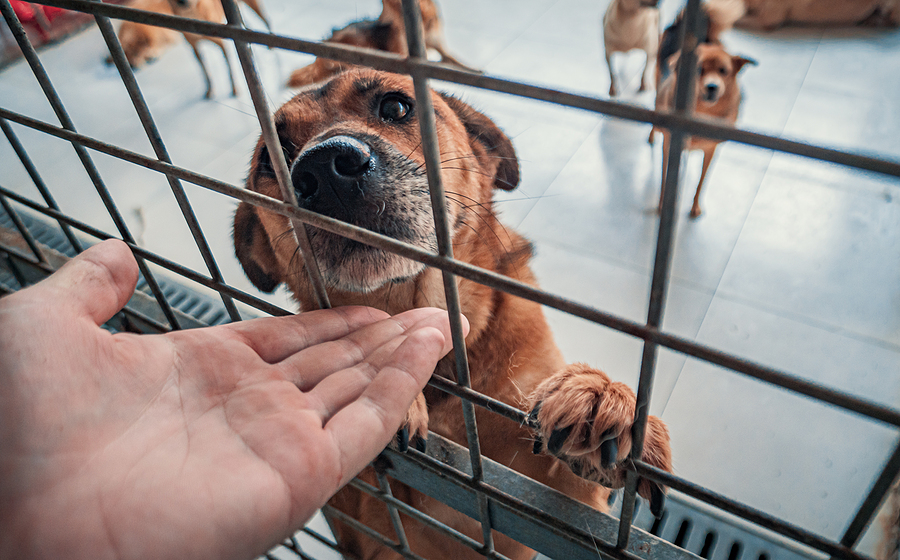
499	498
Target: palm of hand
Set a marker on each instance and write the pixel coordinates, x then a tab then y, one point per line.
212	443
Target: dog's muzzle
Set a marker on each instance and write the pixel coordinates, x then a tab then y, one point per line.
710	92
332	176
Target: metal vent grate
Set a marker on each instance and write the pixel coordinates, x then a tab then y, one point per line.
205	309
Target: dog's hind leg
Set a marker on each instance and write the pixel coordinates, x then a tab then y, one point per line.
649	70
209	87
708	154
612	76
221	44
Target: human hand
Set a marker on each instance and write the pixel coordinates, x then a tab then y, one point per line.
205	443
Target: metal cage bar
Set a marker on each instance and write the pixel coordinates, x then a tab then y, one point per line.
415	39
680	123
37	180
49	91
152	132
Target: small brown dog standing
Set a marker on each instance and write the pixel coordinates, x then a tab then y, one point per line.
716	95
629	25
144	43
387	33
354	150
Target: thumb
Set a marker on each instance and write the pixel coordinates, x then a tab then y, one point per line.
96	283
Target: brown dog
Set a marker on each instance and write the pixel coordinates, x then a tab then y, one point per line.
629	25
387	33
355	154
211	10
716	95
145	43
772	14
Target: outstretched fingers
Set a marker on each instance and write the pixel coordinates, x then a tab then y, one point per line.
365	426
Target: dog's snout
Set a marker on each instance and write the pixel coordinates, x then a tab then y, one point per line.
710	92
334	168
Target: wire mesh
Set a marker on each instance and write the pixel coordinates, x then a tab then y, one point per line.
680	122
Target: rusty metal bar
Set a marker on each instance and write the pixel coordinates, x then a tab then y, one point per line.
684	95
371	533
36	179
276	154
415	38
50	92
438	71
870	505
181	270
153	135
386	495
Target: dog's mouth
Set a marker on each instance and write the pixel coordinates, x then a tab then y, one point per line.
364	181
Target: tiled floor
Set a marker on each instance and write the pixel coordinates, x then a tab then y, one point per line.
794	263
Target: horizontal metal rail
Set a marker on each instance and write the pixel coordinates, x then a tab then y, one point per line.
694	126
488	278
170	265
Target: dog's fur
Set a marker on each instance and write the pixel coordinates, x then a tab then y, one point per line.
369	119
144	43
772	14
387	33
716	95
211	10
629	25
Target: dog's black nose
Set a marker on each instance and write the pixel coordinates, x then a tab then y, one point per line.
710	92
333	170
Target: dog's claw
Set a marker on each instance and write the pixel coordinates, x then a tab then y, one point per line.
533	415
609	450
420	443
538	445
558	438
403	439
657	501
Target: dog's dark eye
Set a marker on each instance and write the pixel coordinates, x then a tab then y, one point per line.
394	108
723	71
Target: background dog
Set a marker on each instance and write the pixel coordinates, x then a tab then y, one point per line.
629	25
145	43
211	10
771	14
387	33
355	154
716	95
716	17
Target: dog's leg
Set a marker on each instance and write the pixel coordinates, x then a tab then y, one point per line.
221	44
665	168
256	6
209	87
612	77
708	154
584	419
649	69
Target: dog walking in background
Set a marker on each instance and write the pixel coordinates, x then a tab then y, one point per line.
629	25
387	33
211	10
772	14
355	154
144	43
717	94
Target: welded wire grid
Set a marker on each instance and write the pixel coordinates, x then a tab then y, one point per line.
679	122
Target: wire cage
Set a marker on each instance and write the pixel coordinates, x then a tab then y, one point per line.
697	521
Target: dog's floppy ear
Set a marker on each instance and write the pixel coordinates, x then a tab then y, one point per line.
739	62
498	147
253	250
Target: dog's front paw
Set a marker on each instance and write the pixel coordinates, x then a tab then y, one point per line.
415	427
584	419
